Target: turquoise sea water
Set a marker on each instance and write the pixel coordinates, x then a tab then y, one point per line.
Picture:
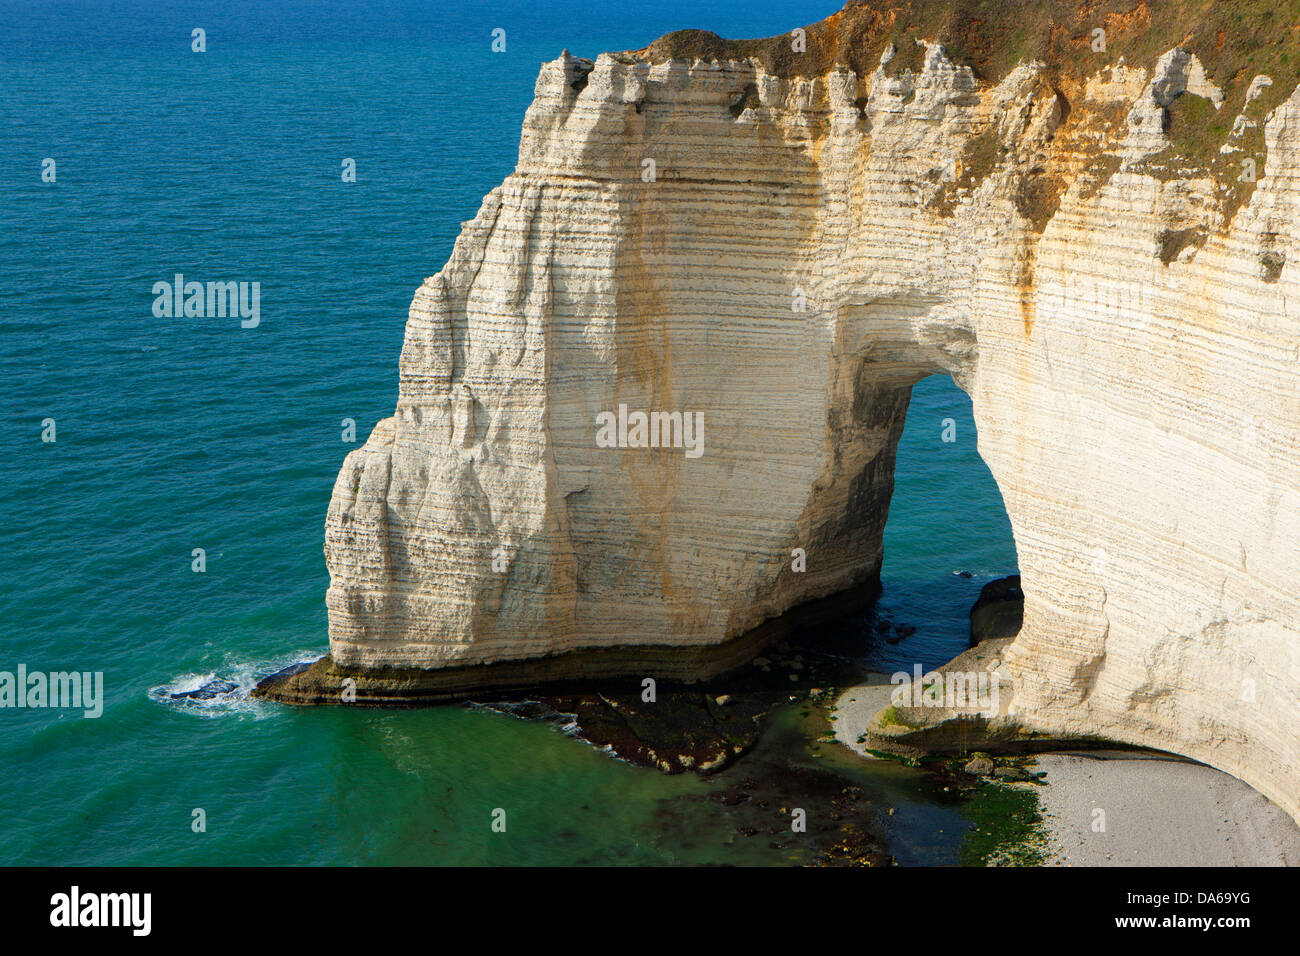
175	434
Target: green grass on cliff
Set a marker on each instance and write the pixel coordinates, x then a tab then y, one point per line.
992	36
1235	40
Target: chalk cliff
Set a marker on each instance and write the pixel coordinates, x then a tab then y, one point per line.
1093	234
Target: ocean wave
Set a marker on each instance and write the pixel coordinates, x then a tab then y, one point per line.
225	690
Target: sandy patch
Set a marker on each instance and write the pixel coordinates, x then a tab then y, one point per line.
855	708
1158	811
1121	808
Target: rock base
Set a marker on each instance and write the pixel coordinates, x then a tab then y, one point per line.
961	707
323	681
999	612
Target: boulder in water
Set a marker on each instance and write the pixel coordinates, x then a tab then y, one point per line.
212	689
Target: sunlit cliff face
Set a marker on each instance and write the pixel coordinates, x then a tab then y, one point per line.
784	254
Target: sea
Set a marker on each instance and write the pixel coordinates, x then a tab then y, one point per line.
126	157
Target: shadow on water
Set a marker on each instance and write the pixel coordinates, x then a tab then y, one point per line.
948	535
858	811
788	792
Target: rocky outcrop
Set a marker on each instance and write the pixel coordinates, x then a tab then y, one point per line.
999	612
772	245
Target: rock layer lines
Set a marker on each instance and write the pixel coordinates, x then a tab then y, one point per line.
1119	303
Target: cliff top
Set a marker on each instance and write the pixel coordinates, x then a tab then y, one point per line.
1234	39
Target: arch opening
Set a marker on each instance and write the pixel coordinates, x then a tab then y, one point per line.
947	535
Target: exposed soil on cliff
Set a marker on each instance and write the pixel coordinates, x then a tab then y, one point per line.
1235	40
992	36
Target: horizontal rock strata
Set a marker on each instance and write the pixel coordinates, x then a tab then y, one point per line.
1097	244
327	682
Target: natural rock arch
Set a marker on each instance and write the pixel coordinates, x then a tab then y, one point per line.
1136	403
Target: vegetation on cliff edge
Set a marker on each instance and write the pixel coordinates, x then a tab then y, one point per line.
1235	40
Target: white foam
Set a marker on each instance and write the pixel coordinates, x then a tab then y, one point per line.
243	674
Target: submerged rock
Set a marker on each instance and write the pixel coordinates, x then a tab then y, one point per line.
1012	774
209	691
980	765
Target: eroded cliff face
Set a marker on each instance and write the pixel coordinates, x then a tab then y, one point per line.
1084	249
